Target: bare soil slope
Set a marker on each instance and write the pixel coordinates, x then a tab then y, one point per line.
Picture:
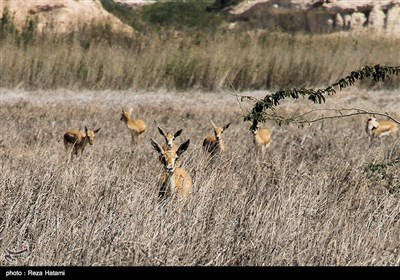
62	15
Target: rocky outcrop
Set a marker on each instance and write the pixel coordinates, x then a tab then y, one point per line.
318	16
133	4
61	15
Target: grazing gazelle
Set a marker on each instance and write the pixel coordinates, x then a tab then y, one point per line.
175	180
262	138
379	129
214	144
78	139
169	139
135	126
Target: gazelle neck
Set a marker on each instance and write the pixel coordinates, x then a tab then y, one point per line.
170	183
221	144
84	142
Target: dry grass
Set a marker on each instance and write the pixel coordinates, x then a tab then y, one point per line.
99	60
308	202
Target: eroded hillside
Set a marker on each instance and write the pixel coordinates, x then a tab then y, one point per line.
318	16
61	15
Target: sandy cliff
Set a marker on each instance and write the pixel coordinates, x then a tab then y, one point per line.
61	15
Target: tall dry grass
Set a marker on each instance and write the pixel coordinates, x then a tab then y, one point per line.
309	202
245	61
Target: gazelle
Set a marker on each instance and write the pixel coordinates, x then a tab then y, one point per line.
262	138
380	129
175	180
135	126
169	139
78	139
214	144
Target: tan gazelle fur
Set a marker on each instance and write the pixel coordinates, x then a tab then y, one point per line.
262	138
380	129
174	180
78	139
169	139
214	144
136	126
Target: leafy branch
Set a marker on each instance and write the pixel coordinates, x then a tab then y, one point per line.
258	112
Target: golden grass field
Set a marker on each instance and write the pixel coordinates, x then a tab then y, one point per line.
244	61
310	201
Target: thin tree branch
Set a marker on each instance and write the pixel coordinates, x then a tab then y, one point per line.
300	119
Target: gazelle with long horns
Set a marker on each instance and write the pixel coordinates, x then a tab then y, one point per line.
214	144
78	139
169	139
136	126
174	180
380	129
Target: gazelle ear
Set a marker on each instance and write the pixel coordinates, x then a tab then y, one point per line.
183	147
161	131
226	126
213	124
178	133
97	130
156	146
86	130
130	110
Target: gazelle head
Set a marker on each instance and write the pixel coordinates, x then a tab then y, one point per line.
373	121
89	134
169	158
254	130
126	115
219	130
169	138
